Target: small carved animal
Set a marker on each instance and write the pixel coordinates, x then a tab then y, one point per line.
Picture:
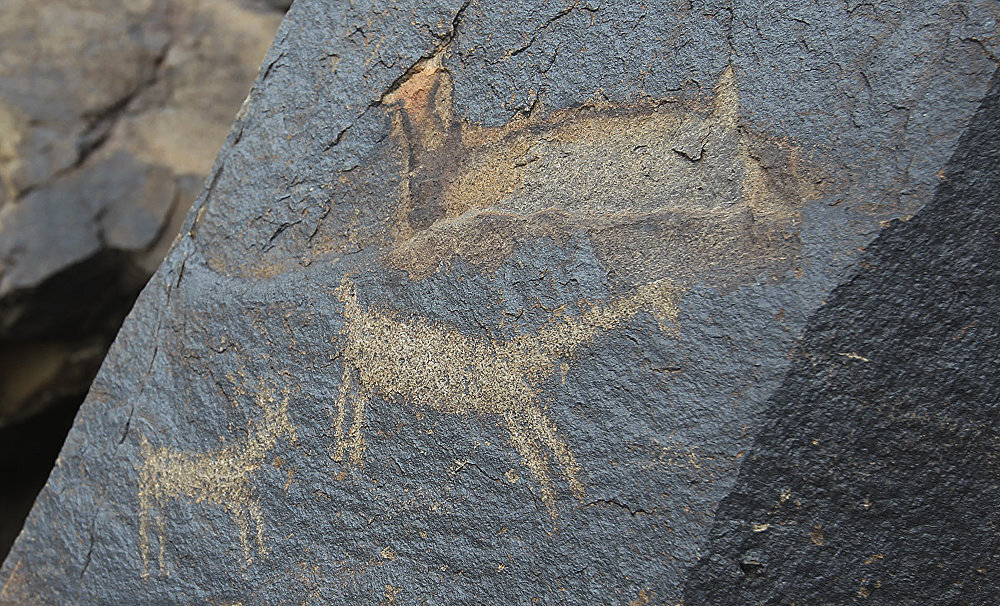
220	477
432	365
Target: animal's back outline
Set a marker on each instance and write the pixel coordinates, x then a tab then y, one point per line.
433	365
221	477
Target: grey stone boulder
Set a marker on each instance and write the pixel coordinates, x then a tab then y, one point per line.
110	116
500	303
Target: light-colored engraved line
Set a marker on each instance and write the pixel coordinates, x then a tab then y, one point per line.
10	579
432	365
219	477
11	163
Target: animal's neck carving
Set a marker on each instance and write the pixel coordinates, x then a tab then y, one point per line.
220	477
435	366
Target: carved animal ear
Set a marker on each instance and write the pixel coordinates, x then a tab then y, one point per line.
727	97
142	429
144	444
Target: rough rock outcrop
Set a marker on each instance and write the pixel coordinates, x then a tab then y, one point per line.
488	302
110	116
875	473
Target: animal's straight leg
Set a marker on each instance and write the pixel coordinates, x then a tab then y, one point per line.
242	518
144	512
544	431
258	519
338	424
355	439
145	501
161	535
533	456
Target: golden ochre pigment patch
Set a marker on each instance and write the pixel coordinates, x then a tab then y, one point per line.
219	477
432	365
670	188
677	188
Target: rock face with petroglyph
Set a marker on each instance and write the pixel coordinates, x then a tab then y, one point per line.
486	303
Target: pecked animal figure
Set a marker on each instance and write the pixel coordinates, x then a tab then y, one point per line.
219	477
433	365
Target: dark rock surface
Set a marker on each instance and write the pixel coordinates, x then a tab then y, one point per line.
486	302
876	474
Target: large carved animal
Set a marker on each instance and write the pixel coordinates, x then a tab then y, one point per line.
433	365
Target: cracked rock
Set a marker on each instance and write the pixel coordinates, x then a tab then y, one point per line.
504	303
110	116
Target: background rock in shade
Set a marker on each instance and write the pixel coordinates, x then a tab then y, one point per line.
487	302
110	116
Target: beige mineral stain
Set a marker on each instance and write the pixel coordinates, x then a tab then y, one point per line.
680	187
431	365
659	187
222	478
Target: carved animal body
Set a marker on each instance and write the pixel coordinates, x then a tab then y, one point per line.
636	180
432	365
220	477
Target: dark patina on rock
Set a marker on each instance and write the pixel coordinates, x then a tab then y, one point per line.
875	475
486	302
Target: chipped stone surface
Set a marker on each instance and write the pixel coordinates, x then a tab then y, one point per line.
528	278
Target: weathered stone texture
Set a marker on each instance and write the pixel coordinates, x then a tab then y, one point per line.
487	302
110	116
875	473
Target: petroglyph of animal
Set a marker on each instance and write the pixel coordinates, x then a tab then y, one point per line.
659	187
219	477
689	186
433	365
